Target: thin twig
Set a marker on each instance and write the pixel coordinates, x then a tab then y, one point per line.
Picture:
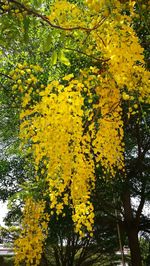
101	39
2	74
92	57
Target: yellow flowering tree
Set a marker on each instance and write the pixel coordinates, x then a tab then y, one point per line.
74	123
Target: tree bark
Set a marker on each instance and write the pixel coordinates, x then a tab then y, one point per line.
134	247
131	226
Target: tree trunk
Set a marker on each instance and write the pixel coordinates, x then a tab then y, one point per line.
131	228
134	247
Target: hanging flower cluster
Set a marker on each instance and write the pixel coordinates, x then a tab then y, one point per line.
29	245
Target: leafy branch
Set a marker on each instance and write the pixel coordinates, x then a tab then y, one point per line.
83	53
46	19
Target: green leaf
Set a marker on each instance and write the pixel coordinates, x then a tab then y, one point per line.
26	23
47	43
54	58
63	59
37	3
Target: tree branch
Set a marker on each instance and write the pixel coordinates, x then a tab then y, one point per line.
142	201
46	19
